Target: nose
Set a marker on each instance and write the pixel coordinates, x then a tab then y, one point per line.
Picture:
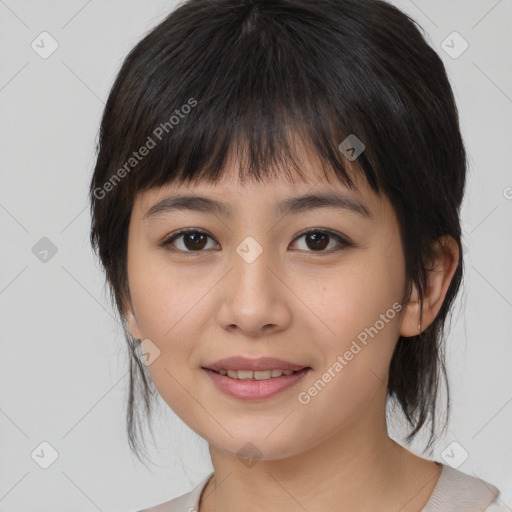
254	296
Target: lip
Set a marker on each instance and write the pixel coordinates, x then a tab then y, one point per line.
260	363
255	389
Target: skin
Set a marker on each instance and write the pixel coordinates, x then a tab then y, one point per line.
298	304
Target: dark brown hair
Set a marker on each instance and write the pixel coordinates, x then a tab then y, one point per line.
241	75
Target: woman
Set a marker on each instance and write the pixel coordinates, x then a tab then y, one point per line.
276	206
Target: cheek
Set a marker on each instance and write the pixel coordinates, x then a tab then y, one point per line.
362	316
162	296
164	303
169	304
359	311
355	298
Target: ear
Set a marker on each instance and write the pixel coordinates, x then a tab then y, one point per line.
439	277
131	323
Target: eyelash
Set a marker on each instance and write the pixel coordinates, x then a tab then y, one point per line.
340	239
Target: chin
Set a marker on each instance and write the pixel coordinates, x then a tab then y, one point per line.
251	445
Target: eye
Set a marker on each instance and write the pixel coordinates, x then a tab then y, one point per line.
319	239
194	240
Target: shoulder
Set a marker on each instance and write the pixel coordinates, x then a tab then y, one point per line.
458	492
188	502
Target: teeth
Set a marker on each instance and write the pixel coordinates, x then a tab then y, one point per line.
256	375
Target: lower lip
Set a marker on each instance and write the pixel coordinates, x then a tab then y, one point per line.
254	389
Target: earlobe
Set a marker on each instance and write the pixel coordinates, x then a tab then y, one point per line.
131	324
411	315
439	277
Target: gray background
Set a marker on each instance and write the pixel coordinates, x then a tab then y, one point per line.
63	374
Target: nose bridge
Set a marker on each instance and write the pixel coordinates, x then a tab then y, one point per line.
251	261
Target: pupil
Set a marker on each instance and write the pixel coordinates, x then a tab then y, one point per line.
319	240
196	239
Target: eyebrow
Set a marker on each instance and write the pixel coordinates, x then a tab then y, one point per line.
288	206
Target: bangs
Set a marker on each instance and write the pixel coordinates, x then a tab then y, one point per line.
265	143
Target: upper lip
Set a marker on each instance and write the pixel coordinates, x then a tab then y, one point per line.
260	363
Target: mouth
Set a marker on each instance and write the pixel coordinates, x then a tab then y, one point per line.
256	374
253	379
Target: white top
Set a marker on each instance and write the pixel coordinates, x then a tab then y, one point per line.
454	492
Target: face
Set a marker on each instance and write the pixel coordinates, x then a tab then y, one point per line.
315	286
